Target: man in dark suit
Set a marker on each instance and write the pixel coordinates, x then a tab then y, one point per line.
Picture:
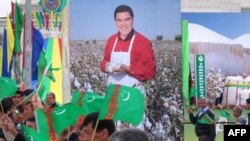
203	121
248	114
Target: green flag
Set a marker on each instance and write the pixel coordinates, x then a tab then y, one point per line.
206	119
42	133
45	70
90	102
185	62
81	104
38	19
8	87
42	62
18	28
123	103
42	124
224	113
50	74
65	116
31	134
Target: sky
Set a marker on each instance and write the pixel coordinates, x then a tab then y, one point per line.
94	19
5	7
231	25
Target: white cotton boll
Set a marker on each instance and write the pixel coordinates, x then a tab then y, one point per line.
160	126
148	124
158	133
165	117
166	105
93	76
174	103
169	139
89	87
153	82
71	76
173	109
76	83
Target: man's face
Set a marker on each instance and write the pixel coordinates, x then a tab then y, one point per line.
248	106
202	103
28	111
124	23
236	113
31	124
87	132
50	99
16	99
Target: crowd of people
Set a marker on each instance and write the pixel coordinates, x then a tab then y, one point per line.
17	111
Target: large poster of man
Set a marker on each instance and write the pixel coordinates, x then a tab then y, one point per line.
91	62
223	40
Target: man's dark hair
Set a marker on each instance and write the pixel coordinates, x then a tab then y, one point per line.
6	105
123	8
32	119
27	92
19	92
103	124
130	134
53	95
248	101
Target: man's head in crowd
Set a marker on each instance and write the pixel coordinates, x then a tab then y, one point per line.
248	103
31	122
130	134
104	129
17	98
51	99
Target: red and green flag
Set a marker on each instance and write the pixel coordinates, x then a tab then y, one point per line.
89	102
123	103
65	116
81	105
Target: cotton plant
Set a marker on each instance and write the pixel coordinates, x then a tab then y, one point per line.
214	83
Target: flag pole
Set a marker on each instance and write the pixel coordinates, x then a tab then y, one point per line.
4	115
44	74
36	90
28	43
2	106
93	135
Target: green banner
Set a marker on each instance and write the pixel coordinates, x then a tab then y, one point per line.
200	76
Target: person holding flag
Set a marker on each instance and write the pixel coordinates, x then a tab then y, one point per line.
128	57
203	121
